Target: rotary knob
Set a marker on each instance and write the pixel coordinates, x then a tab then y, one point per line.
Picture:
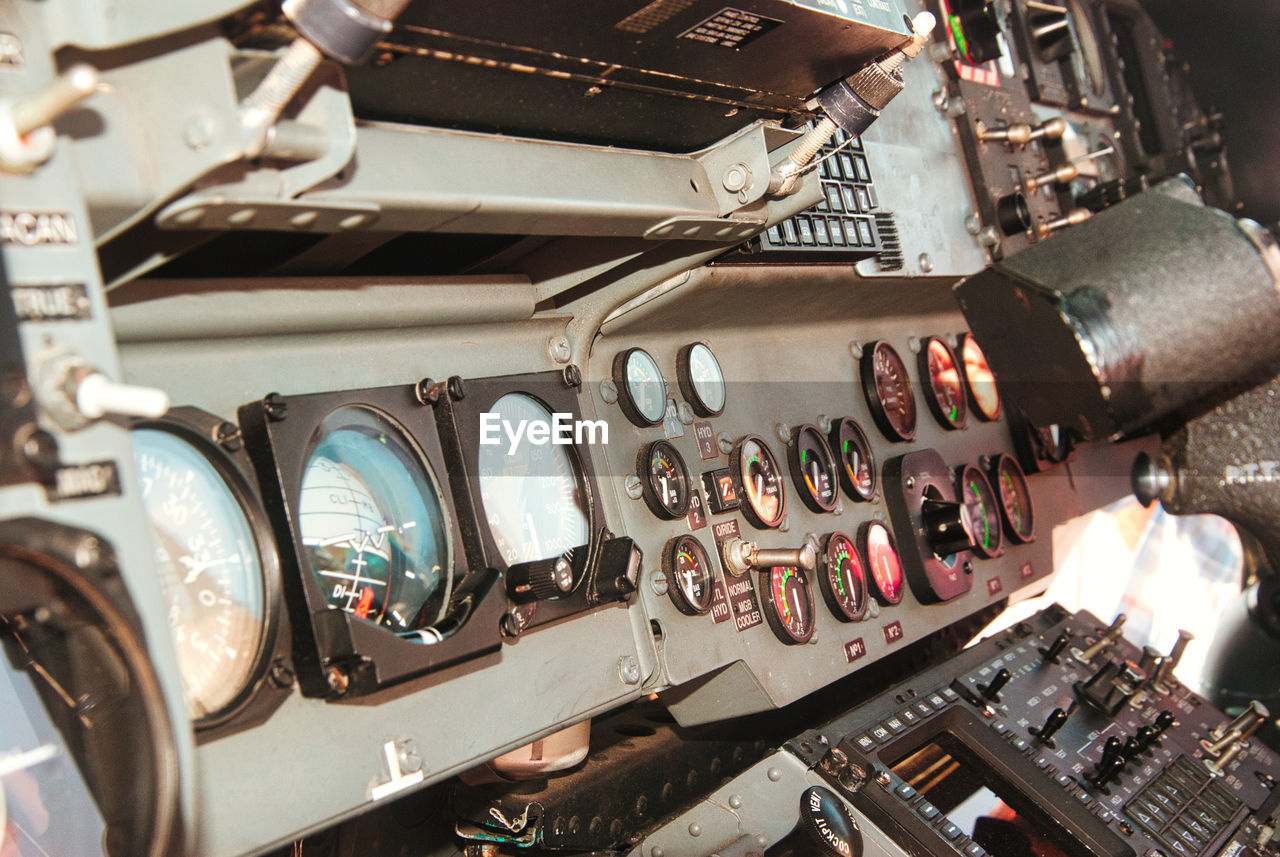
826	828
541	580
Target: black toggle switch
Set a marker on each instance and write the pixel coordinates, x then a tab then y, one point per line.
999	680
1147	735
1055	721
1110	764
1132	748
1057	647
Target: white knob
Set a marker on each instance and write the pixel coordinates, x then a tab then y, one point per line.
97	395
923	23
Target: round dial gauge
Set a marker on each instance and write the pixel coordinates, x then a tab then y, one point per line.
1015	499
756	479
535	500
981	512
888	391
944	390
857	463
882	558
788	603
642	394
374	523
980	378
689	577
701	381
813	469
844	584
665	480
211	570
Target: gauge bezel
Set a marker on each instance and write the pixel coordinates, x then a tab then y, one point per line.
996	466
873	585
831	468
963	474
280	434
625	400
974	405
684	379
748	508
198	428
650	492
459	422
868	374
926	384
846	478
770	607
826	581
678	597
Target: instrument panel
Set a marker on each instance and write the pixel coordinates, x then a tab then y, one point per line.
464	458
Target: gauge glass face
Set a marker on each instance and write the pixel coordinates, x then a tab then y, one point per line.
790	604
946	387
374	524
691	586
889	393
857	464
644	386
845	583
761	484
981	512
814	470
706	381
886	567
1015	499
667	485
210	568
534	500
982	381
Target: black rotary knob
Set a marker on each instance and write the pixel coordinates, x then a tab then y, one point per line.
945	527
826	828
541	580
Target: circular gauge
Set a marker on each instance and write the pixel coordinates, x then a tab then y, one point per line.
844	585
535	500
888	391
1015	499
664	480
945	389
689	577
980	378
642	394
1090	48
701	381
788	603
882	558
981	512
209	558
373	522
813	469
754	472
857	463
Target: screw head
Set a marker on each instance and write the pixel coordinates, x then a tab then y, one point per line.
658	582
774	774
275	407
427	392
227	436
926	263
572	376
282	673
629	669
724	442
559	348
457	390
633	486
695	829
608	391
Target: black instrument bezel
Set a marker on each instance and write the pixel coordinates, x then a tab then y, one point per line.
257	698
847	482
650	492
962	474
879	414
459	421
280	434
827	586
689	390
873	586
770	607
625	400
1010	530
678	597
926	385
797	470
745	505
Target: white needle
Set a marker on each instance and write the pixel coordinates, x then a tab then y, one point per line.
759	485
795	605
533	534
195	567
